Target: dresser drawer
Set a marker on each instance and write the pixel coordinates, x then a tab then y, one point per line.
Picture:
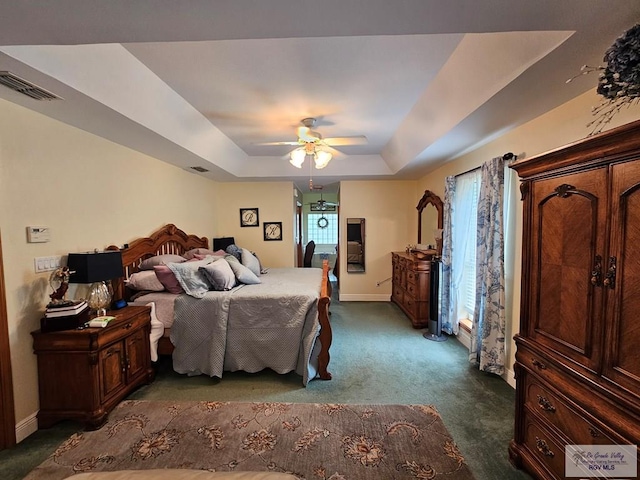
410	305
398	294
412	288
543	447
569	420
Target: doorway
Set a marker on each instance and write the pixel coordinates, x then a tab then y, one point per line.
7	412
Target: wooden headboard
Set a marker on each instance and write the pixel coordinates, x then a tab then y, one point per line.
169	239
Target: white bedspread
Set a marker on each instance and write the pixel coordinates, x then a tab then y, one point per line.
252	327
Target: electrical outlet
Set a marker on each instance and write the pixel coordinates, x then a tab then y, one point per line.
47	264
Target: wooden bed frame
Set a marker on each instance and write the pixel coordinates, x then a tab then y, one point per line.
171	240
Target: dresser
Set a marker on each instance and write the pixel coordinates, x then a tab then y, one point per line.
578	350
84	374
411	286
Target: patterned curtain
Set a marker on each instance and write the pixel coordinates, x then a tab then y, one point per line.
487	335
449	323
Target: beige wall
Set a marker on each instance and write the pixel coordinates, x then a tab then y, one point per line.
91	193
565	124
275	202
389	209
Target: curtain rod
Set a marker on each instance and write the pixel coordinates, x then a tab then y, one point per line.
507	157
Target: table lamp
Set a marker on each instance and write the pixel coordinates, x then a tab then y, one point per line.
96	268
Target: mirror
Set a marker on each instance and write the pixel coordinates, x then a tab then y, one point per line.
430	220
355	245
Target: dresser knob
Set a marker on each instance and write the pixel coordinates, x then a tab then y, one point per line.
538	363
543	448
593	432
545	404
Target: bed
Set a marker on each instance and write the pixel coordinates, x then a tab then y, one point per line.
281	323
354	252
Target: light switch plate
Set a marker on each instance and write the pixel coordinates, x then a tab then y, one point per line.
38	234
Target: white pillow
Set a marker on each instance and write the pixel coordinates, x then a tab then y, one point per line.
219	275
250	261
242	273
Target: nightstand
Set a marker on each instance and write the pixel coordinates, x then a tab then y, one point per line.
84	374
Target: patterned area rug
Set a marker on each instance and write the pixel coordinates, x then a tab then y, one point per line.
310	441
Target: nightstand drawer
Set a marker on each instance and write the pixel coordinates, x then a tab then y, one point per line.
121	328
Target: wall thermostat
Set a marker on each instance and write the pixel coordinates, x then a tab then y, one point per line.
38	234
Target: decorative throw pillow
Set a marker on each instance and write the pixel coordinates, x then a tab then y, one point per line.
219	275
151	262
190	278
168	279
145	280
250	261
235	251
242	273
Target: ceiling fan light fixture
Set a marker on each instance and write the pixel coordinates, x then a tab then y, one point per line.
322	158
297	157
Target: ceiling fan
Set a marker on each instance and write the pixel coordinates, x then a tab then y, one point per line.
322	205
312	143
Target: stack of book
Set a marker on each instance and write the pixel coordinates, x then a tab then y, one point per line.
65	317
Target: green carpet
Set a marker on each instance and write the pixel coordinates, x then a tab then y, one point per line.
376	357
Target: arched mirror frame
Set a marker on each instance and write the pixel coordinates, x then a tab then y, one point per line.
429	198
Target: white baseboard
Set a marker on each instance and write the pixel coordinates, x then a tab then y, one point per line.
509	376
357	297
26	427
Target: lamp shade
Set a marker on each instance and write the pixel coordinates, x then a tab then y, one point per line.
297	157
322	159
93	267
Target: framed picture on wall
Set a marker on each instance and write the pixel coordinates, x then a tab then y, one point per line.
272	231
249	217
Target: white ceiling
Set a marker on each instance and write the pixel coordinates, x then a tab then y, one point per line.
204	82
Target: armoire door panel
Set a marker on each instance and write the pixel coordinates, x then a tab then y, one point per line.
569	225
623	362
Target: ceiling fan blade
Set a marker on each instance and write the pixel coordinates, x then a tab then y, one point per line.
345	141
335	152
278	143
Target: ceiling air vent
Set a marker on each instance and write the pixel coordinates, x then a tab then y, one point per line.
199	169
20	85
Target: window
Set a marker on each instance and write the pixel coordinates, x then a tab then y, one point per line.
463	236
463	232
326	235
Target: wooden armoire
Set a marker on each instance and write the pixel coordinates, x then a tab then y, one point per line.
578	350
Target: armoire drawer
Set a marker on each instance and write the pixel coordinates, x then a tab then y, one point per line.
546	449
572	422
